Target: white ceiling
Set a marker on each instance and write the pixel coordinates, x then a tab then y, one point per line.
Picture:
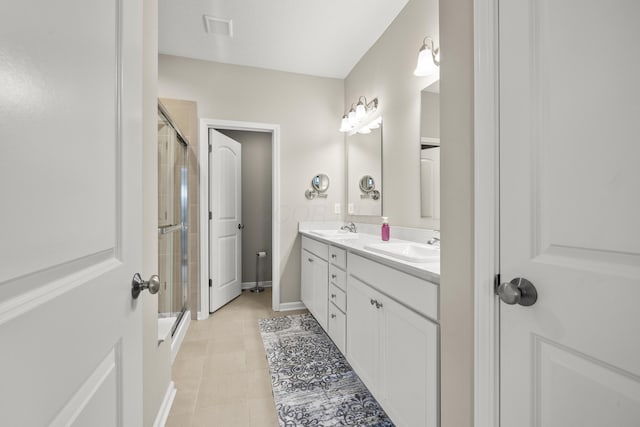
317	37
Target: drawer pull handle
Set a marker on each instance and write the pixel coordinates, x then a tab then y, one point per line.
310	260
333	316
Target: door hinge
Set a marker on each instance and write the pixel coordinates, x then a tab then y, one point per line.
496	283
210	148
210	215
210	283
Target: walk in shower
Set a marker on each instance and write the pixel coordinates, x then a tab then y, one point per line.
172	224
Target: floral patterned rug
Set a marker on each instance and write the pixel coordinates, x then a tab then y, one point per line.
313	385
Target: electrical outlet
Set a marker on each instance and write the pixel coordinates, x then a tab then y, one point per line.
336	208
350	208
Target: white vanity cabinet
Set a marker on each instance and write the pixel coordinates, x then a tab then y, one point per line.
337	297
392	339
315	279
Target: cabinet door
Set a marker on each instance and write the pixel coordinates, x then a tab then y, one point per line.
306	280
363	332
410	378
321	291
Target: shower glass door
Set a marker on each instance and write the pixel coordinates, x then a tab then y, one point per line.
172	222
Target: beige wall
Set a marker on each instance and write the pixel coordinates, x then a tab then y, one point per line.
430	115
308	110
156	373
386	72
456	289
256	201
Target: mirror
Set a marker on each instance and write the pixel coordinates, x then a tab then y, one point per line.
364	173
320	183
430	151
367	184
319	186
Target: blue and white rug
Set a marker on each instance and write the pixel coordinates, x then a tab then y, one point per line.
313	385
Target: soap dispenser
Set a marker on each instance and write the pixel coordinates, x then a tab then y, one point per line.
385	228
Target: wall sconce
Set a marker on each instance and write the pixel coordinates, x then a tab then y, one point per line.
428	59
361	118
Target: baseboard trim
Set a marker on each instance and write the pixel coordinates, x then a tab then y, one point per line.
179	334
288	306
249	285
165	406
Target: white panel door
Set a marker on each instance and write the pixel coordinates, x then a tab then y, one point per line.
570	211
70	191
225	231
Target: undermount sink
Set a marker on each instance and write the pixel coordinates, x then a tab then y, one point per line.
407	251
335	234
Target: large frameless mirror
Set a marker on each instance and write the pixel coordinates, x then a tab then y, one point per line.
430	151
364	173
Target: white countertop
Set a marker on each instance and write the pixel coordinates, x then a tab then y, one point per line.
425	270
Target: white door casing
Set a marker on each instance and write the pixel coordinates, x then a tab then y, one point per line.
225	247
70	185
569	212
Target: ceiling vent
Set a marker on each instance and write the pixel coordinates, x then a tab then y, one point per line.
218	26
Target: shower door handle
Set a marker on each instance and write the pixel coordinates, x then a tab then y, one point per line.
138	285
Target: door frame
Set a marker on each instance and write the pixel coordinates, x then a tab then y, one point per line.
486	214
274	130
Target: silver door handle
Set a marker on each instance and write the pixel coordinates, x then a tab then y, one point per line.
518	291
240	226
138	285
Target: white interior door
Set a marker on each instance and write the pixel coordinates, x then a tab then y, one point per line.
570	212
225	241
70	185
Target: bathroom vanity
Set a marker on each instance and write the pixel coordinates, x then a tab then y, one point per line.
382	313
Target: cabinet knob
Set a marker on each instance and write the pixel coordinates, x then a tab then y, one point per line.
310	259
333	295
333	256
333	316
373	302
378	304
333	276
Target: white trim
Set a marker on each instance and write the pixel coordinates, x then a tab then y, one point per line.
165	406
179	334
205	125
486	214
289	306
263	283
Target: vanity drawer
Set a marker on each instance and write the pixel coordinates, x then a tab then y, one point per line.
338	257
337	327
338	277
315	247
338	297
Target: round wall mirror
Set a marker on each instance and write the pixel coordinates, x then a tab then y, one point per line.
320	183
367	184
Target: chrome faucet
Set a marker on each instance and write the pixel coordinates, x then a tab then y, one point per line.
435	240
350	227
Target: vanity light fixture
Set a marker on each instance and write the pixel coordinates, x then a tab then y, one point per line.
361	118
428	59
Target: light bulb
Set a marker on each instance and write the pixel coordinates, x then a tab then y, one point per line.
352	117
361	112
344	126
364	130
426	66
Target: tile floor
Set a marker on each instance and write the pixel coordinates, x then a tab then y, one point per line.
221	371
